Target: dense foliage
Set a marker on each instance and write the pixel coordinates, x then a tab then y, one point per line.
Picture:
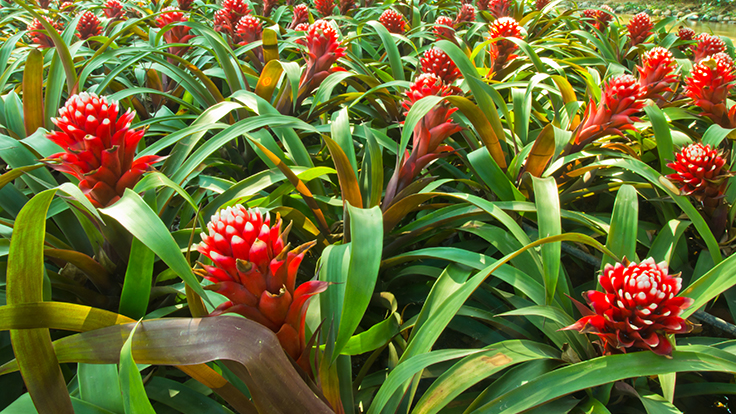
352	206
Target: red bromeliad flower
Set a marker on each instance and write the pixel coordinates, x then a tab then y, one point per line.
599	19
466	14
636	309
325	7
176	34
502	51
620	100
707	45
605	15
113	9
685	34
67	7
700	172
499	8
657	72
394	21
88	26
429	133
249	30
256	270
640	27
345	6
301	27
185	4
708	86
228	17
99	147
437	62
38	32
539	4
301	15
443	28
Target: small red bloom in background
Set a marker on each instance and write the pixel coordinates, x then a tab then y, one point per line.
621	99
255	268
228	17
437	62
114	9
428	134
599	19
605	16
302	27
443	28
709	84
38	33
325	7
657	72
685	34
700	172
502	51
466	14
88	26
539	4
636	309
67	7
301	15
185	5
707	45
176	34
640	28
499	8
345	6
394	21
99	147
249	30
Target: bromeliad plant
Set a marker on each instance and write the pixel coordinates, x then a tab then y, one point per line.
454	174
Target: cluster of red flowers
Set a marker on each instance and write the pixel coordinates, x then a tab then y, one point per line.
599	18
502	50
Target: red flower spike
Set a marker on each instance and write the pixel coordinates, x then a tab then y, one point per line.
255	290
228	17
707	45
605	15
620	101
67	7
88	26
466	14
502	51
345	6
301	15
325	7
176	34
709	84
700	172
443	28
539	4
657	72
99	147
248	30
185	5
429	133
437	62
636	309
685	34
323	50
499	8
393	21
301	27
640	27
38	33
114	9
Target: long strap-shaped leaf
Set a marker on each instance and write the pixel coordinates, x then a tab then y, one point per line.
80	318
33	349
277	387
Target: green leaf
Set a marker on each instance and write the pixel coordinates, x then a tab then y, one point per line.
33	349
98	385
621	238
394	59
547	201
662	134
181	398
137	283
135	400
366	229
375	337
33	92
143	223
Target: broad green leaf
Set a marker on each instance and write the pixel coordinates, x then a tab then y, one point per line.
375	337
98	385
392	51
345	173
33	350
143	223
621	238
662	134
33	92
547	201
138	279
135	400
